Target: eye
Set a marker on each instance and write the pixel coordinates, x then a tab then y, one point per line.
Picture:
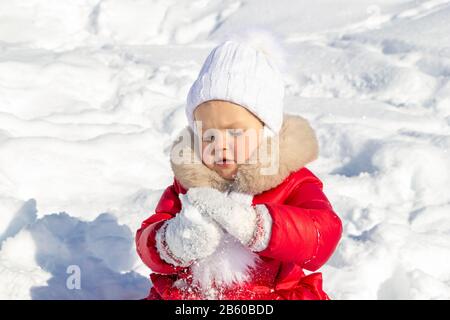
235	132
208	138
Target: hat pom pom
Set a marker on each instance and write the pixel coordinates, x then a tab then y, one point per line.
264	41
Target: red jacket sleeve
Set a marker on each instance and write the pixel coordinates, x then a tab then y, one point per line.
305	228
168	206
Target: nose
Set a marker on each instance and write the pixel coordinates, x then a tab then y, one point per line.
221	153
223	147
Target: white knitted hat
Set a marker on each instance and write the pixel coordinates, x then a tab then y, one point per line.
245	70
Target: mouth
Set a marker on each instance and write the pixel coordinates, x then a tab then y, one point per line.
224	163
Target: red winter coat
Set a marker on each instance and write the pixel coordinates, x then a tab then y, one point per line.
305	229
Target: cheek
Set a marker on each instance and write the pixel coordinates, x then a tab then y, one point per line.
241	151
250	151
245	147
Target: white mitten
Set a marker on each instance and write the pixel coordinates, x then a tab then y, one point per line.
188	236
251	225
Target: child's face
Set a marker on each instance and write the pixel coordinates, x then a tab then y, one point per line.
229	134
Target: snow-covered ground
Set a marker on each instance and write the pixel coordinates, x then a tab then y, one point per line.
92	92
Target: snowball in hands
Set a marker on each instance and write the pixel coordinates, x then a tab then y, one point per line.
235	213
188	236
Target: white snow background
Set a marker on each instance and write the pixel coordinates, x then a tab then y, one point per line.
92	92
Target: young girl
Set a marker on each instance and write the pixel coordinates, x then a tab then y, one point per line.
244	216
